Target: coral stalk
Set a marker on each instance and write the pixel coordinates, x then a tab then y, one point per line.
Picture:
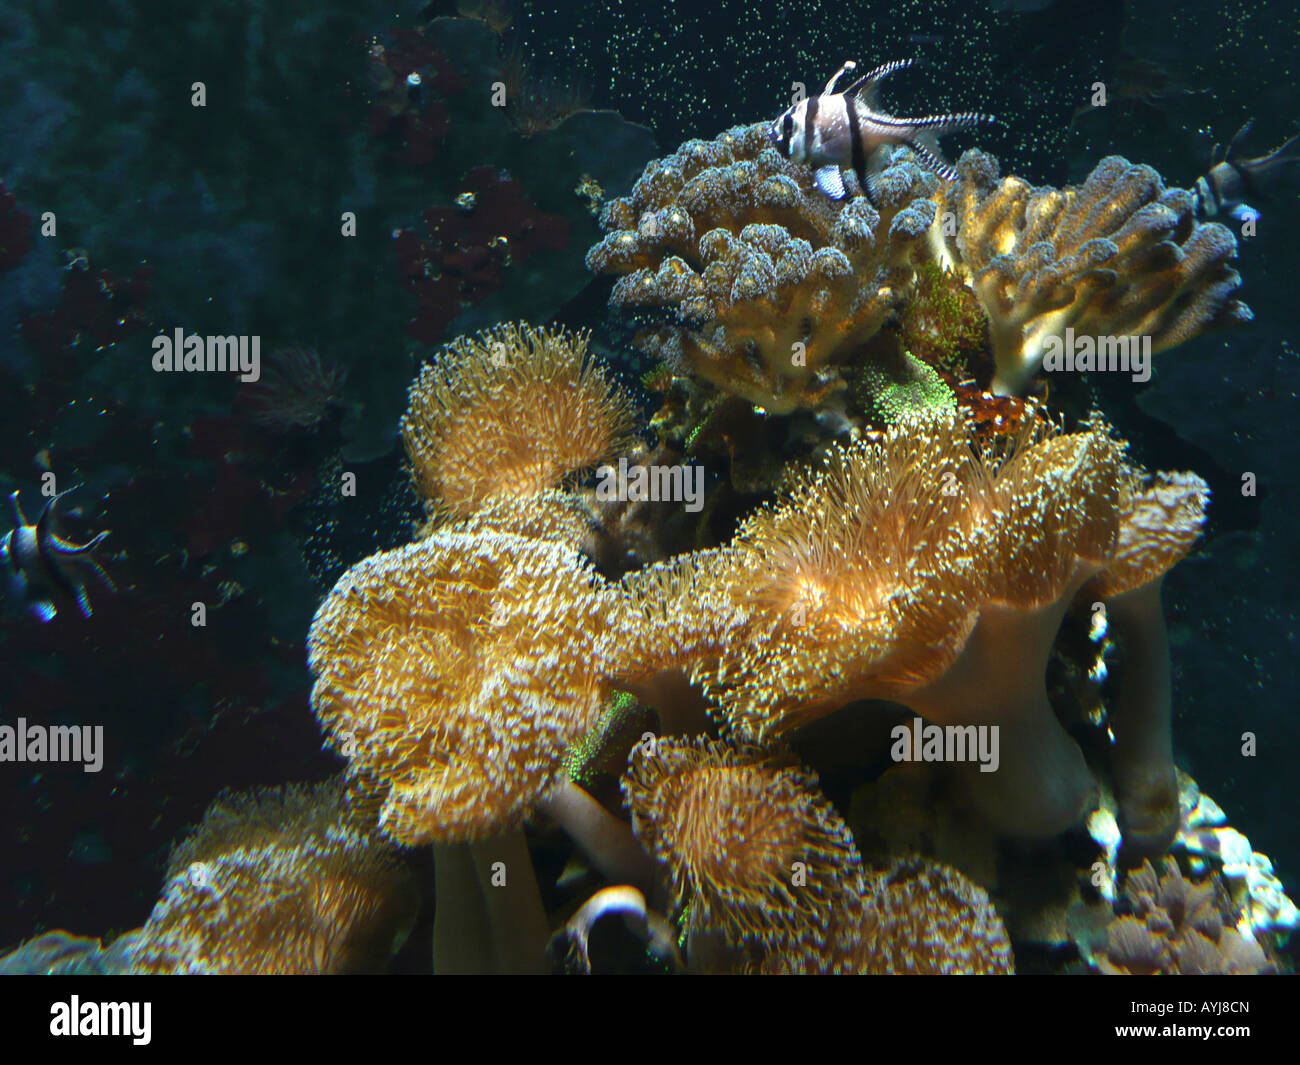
1142	760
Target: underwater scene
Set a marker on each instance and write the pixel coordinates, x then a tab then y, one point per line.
611	487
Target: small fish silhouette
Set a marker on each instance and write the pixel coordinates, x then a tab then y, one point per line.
39	565
1224	188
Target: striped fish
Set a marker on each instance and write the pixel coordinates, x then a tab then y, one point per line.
834	132
1224	188
40	566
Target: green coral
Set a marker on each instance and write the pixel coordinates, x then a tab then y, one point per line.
902	385
621	717
943	324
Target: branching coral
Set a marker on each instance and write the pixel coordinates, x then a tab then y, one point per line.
510	412
278	881
457	670
1118	256
1177	926
760	284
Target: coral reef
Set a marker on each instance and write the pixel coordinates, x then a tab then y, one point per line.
766	287
1118	256
887	530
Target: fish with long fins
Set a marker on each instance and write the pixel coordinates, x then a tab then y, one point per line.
1223	189
840	131
40	566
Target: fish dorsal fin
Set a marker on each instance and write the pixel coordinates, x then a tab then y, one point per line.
830	181
1231	149
45	524
867	87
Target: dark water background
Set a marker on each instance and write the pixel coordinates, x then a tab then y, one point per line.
226	221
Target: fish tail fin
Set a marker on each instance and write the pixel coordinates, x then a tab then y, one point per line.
868	184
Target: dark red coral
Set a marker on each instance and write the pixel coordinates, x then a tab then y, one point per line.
96	309
469	246
408	83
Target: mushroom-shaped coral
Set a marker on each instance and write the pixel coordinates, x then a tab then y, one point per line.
1176	926
1159	522
756	281
751	846
684	616
926	918
278	881
917	917
548	515
921	570
1118	256
510	412
457	670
